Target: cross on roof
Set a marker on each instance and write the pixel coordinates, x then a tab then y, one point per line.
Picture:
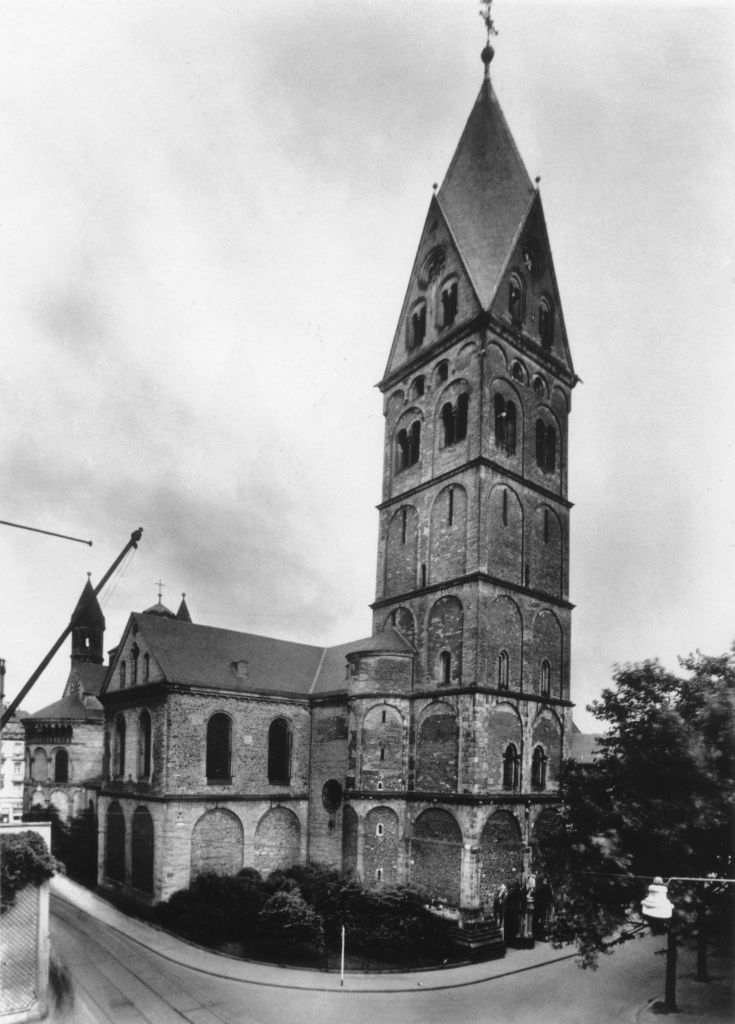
160	586
486	15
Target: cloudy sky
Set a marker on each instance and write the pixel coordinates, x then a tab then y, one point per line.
209	212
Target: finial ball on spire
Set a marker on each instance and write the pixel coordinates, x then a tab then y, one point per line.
487	53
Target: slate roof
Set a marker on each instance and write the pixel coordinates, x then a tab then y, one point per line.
205	656
88	611
89	675
159	609
486	194
70	708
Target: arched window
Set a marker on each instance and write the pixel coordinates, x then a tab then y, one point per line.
447	424
517	371
115	843
146	667
144	745
219	748
61	766
454	420
408	446
511	767
449	303
414	443
142	850
538	768
545	446
462	407
135	653
503	670
279	752
545	324
417	326
545	678
118	750
123	675
39	765
445	664
418	387
505	507
515	298
505	425
442	372
401	450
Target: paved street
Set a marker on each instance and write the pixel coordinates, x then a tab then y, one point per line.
128	973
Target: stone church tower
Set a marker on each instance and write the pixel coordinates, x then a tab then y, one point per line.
473	559
429	752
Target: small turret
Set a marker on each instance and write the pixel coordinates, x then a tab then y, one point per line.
384	664
88	628
159	608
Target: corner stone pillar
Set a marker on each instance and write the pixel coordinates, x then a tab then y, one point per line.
469	883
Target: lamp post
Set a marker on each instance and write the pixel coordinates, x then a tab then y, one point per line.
657	907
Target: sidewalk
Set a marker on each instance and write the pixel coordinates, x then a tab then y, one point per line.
221	966
711	1001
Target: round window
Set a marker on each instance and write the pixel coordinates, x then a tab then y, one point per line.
331	795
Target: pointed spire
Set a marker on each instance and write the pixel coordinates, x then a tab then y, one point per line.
487	190
88	612
183	612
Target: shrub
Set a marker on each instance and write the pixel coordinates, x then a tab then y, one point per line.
289	924
299	912
327	891
250	873
391	924
215	908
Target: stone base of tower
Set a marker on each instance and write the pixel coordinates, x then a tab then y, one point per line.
477	940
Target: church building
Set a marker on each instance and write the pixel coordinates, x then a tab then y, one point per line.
64	740
429	752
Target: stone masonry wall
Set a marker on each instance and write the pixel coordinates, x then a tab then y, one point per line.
187	716
328	762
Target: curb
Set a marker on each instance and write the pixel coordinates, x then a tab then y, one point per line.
336	987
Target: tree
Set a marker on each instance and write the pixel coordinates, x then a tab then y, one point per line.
59	830
24	860
81	848
658	800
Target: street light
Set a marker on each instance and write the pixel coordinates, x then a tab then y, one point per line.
657	907
657	904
